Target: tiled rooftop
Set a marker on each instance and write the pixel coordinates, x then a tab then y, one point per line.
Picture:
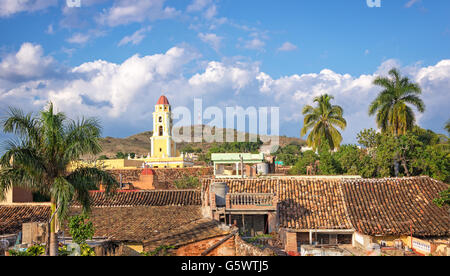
139	223
392	206
370	206
146	198
195	231
12	216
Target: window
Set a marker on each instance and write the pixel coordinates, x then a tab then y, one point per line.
160	119
160	131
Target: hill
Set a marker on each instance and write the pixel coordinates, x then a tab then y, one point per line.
140	143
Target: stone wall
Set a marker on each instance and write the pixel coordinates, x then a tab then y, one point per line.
245	249
197	248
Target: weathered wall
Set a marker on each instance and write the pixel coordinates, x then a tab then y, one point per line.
245	249
17	195
196	249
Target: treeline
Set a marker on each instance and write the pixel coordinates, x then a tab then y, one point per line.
418	152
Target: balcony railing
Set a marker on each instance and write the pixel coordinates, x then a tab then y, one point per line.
251	201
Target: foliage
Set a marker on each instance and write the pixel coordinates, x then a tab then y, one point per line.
368	138
39	158
289	154
236	147
62	251
393	113
162	250
121	155
86	250
102	157
307	158
187	182
444	199
418	152
80	229
447	126
322	121
34	250
189	149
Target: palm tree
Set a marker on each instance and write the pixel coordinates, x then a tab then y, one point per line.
39	158
321	120
394	115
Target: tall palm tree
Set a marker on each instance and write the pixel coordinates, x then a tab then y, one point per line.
392	106
38	160
322	120
394	115
447	126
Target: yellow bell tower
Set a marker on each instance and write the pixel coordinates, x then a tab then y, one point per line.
162	145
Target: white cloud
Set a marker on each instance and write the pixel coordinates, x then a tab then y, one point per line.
78	38
411	3
50	29
211	12
198	5
212	39
28	63
255	44
287	47
11	7
135	38
129	11
83	38
122	95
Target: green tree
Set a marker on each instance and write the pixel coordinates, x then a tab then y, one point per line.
39	159
307	158
447	126
392	105
81	230
289	154
187	182
328	164
322	121
444	199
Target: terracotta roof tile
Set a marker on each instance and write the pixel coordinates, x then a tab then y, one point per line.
195	231
12	216
139	223
392	206
303	204
146	198
371	206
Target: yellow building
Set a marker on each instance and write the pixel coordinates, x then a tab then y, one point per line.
164	152
163	149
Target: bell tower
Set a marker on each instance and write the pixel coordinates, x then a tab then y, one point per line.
162	144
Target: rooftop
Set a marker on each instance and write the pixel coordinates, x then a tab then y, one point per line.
371	206
163	100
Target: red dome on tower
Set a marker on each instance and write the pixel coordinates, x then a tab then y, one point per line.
163	100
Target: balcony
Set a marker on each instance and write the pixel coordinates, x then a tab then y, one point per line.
245	201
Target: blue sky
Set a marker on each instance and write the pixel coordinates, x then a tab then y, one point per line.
112	59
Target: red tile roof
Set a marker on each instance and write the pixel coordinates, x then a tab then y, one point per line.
146	198
163	100
139	223
303	204
392	206
12	216
370	206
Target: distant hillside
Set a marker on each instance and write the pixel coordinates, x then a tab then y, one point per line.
140	143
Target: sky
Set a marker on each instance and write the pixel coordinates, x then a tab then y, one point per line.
113	59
